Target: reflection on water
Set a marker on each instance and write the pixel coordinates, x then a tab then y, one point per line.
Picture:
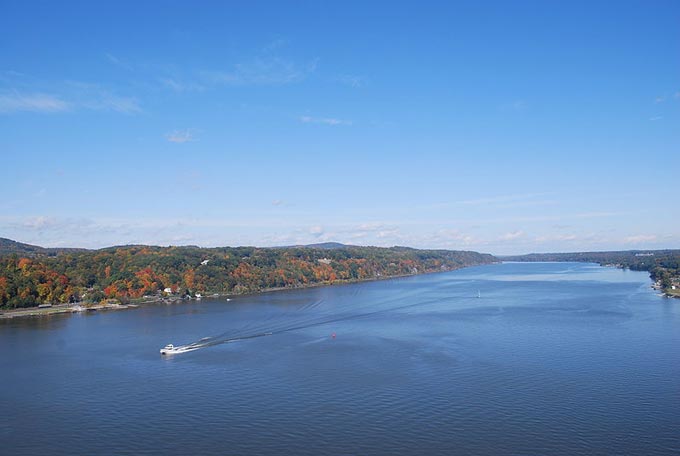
553	358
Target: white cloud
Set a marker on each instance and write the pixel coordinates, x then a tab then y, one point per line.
324	120
316	230
40	222
655	118
511	236
449	237
35	102
557	238
180	136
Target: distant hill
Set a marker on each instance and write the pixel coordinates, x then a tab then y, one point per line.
321	245
635	259
8	247
31	275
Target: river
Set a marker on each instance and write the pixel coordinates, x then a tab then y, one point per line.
512	358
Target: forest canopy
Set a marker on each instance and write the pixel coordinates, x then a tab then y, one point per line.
31	275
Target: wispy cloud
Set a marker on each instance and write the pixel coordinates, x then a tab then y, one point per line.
177	85
316	231
502	199
96	97
640	238
34	102
324	120
73	96
655	118
180	136
262	71
449	237
119	62
351	80
514	106
556	237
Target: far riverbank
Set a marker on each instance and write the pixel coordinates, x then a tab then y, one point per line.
111	305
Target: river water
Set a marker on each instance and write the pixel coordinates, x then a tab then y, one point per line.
513	358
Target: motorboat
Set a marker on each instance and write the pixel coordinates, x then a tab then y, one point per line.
172	350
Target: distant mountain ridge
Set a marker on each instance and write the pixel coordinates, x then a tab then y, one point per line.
9	246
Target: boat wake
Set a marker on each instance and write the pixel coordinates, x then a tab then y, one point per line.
290	322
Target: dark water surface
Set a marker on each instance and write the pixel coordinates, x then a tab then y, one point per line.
553	359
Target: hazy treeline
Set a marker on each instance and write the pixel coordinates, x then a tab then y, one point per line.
663	265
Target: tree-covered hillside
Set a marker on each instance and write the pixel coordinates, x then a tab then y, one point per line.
131	272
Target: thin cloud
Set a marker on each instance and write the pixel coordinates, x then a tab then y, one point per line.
640	238
35	102
449	237
351	80
180	136
324	120
655	118
118	61
502	199
275	45
262	71
557	237
316	231
75	96
180	86
95	97
515	106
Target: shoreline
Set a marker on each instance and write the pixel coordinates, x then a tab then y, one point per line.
58	309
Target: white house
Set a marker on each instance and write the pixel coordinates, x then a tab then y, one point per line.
167	290
204	262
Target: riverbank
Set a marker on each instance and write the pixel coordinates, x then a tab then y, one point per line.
62	309
110	305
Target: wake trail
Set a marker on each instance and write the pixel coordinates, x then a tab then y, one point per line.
281	327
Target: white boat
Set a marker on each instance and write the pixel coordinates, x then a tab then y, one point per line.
172	350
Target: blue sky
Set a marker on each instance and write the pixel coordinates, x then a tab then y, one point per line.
502	127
